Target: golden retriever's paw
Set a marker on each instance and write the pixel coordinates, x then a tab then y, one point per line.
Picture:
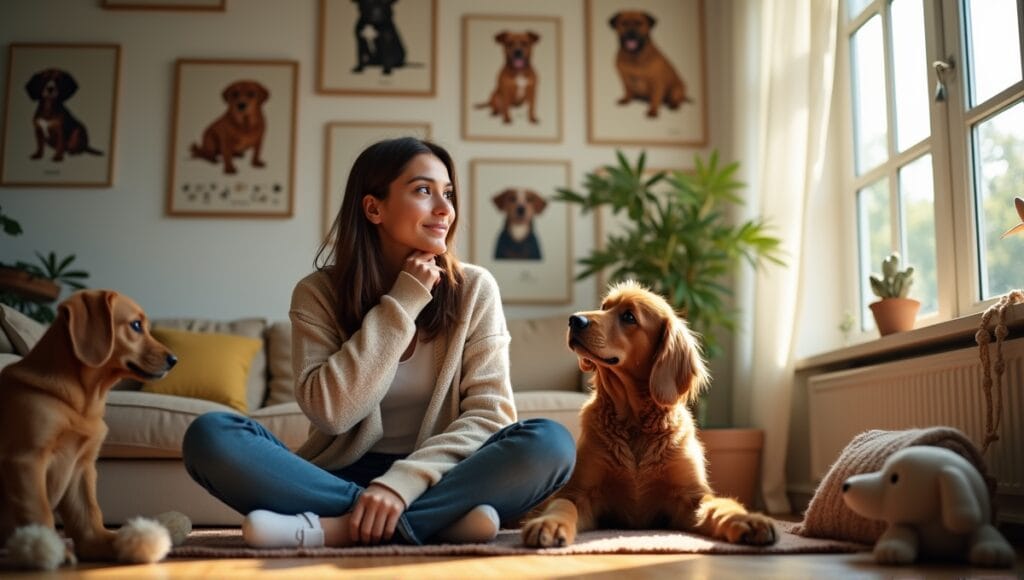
751	529
548	532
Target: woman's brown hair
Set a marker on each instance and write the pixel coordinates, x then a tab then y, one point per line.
354	261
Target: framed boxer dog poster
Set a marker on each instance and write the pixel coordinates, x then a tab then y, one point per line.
646	80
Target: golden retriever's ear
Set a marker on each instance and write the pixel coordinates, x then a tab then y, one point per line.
679	369
90	316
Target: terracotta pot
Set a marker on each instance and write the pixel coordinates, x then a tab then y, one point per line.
30	287
734	462
895	314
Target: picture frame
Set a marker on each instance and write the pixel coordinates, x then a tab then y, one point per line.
659	49
530	256
354	59
511	84
80	86
243	107
207	5
343	142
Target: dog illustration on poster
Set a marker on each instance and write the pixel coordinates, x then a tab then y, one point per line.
53	123
646	74
378	42
517	80
517	239
239	129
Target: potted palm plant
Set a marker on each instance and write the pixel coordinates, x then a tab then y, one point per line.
679	240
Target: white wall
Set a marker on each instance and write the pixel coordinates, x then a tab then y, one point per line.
226	268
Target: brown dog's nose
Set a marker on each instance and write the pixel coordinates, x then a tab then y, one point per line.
578	322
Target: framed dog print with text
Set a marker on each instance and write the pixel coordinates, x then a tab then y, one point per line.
60	115
646	81
344	141
232	148
511	78
377	47
518	233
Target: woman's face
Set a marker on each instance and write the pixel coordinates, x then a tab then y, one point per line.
417	211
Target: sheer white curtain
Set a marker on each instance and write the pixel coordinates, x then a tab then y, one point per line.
790	55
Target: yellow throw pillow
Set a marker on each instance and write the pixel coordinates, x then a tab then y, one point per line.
211	366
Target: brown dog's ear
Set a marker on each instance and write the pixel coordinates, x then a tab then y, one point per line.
538	202
679	368
501	199
501	37
533	36
651	21
90	319
34	86
614	20
264	93
66	85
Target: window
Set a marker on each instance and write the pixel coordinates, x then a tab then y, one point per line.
937	146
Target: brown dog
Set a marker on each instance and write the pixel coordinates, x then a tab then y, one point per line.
518	240
645	72
239	129
53	123
639	463
51	415
517	81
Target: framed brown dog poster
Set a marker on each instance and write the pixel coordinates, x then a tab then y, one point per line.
344	141
518	233
377	47
646	81
60	115
233	138
511	78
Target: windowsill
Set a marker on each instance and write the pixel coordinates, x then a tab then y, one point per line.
948	335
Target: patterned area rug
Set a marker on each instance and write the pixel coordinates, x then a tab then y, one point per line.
227	543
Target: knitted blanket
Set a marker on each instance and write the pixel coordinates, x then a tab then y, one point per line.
827	515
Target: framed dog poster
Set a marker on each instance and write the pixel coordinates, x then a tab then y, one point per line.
511	78
211	5
517	232
232	148
60	115
344	141
646	81
377	47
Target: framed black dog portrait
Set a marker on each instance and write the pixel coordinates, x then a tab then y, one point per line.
59	117
377	47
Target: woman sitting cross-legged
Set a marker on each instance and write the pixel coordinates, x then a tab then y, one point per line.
401	363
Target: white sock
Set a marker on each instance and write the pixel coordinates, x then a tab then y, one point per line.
480	524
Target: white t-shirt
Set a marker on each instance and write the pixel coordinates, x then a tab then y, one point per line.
403	408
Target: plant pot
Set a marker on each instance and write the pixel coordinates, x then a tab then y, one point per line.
895	314
28	286
734	462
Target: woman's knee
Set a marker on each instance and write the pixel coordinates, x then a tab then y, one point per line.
549	442
206	434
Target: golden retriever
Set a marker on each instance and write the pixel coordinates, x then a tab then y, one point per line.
639	463
239	129
51	415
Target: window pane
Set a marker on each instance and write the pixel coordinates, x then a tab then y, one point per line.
874	237
993	47
869	116
910	72
854	7
917	221
999	146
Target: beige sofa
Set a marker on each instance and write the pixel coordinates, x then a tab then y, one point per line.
140	467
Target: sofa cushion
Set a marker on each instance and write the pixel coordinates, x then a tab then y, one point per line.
256	383
538	355
150	425
20	333
211	366
281	388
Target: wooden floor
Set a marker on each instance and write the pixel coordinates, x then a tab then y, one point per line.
611	567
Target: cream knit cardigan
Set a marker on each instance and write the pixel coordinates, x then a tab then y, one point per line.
341	380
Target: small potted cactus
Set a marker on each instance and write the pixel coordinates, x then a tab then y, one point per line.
894	312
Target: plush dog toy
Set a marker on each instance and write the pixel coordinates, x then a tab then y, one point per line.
936	505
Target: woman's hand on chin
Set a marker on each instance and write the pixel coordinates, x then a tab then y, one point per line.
421	265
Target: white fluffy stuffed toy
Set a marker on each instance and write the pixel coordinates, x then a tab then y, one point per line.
936	505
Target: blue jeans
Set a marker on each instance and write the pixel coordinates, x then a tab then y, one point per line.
241	463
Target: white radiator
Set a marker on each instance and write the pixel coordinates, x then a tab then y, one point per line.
924	391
